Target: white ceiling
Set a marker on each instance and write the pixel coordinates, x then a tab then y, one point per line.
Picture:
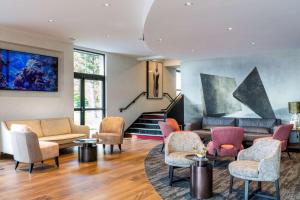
116	28
199	31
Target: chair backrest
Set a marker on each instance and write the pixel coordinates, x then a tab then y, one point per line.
112	125
282	132
227	135
165	128
268	153
173	124
183	142
25	145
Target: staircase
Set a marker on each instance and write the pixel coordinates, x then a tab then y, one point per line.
146	126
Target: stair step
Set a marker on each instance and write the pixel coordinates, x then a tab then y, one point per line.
142	134
151	121
145	125
152	117
145	131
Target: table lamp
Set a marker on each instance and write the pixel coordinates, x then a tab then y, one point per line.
294	108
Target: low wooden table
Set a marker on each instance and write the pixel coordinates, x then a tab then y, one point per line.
201	178
87	149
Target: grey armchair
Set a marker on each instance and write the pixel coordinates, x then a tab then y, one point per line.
177	147
28	149
260	162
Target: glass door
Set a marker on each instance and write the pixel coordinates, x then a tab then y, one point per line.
89	90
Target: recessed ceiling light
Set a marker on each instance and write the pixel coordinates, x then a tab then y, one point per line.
107	35
229	28
51	20
188	3
107	4
160	39
193	50
252	43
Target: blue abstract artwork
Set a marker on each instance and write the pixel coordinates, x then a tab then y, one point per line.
28	71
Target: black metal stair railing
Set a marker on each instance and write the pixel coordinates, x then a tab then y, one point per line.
165	94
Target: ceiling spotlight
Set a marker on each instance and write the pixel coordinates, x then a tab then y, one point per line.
229	29
107	35
160	39
107	4
188	3
252	43
193	50
51	20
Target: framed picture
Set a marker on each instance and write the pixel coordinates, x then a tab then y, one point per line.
154	80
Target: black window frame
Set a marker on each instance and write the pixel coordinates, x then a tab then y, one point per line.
82	77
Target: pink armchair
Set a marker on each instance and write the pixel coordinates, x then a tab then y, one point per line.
226	141
173	124
166	130
282	134
167	127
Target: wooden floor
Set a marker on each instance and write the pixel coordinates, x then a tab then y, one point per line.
116	176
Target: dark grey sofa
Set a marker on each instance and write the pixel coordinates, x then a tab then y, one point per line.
254	127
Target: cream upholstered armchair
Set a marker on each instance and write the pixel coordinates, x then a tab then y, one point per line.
111	132
260	162
28	149
177	147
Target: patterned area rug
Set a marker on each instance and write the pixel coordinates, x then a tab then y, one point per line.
157	172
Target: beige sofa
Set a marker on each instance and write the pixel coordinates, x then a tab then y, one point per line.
60	130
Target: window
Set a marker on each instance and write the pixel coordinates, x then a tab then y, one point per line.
89	88
178	82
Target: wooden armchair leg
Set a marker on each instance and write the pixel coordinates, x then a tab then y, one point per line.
111	148
246	195
162	148
277	189
230	184
16	165
31	167
171	173
57	161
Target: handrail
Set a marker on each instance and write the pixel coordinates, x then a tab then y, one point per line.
168	95
133	101
172	103
143	94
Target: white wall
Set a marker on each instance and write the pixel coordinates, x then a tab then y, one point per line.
126	78
32	105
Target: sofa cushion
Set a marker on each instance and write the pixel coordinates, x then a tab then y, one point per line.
58	126
211	122
257	125
248	136
257	130
244	169
34	125
203	134
49	149
63	139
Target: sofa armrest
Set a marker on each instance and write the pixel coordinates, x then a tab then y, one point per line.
79	128
5	140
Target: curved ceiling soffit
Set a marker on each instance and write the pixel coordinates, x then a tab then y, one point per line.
209	29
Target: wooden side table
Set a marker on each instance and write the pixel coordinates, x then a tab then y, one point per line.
201	179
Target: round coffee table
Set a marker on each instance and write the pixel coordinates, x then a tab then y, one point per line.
201	178
87	149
